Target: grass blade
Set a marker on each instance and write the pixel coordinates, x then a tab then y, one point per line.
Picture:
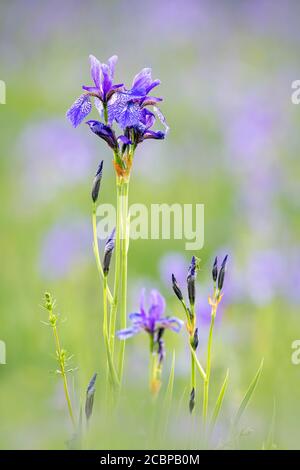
219	402
169	391
248	395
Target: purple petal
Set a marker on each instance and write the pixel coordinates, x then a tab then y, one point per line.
158	135
91	89
161	117
158	305
95	71
136	318
142	81
79	110
124	140
142	304
111	64
104	132
127	333
171	323
150	101
152	85
106	80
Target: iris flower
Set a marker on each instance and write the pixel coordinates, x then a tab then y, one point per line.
103	89
151	320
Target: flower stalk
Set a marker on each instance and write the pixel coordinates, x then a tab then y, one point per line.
61	356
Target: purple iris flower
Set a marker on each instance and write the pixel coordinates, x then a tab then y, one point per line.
127	107
151	320
103	89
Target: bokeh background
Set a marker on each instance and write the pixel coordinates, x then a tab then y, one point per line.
226	70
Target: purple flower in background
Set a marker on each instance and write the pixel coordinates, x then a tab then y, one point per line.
52	158
103	89
64	248
151	320
173	263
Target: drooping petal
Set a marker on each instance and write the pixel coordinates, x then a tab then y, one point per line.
152	85
136	318
171	323
147	118
104	132
79	110
127	332
150	101
95	71
162	118
158	135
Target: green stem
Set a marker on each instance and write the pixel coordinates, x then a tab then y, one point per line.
114	307
63	374
96	252
112	373
124	249
208	366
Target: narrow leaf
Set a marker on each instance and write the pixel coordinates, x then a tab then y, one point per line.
169	391
219	402
248	395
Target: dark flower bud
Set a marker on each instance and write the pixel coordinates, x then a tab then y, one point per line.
176	288
97	182
191	281
221	276
104	132
215	270
190	314
192	400
108	250
90	393
195	340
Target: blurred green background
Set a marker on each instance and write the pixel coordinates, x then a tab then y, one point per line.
226	70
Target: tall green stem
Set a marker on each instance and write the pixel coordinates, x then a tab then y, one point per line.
63	373
114	307
208	366
112	373
96	252
124	249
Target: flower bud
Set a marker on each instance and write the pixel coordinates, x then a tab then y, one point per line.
192	400
221	276
191	281
108	250
89	402
215	270
195	340
176	288
97	182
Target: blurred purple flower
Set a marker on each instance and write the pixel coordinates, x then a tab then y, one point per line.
66	246
173	263
151	320
52	158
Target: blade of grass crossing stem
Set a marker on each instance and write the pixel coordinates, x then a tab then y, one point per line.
248	395
169	391
219	402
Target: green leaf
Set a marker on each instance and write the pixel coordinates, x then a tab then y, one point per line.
219	402
248	395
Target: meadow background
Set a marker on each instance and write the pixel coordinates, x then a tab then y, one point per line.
226	70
